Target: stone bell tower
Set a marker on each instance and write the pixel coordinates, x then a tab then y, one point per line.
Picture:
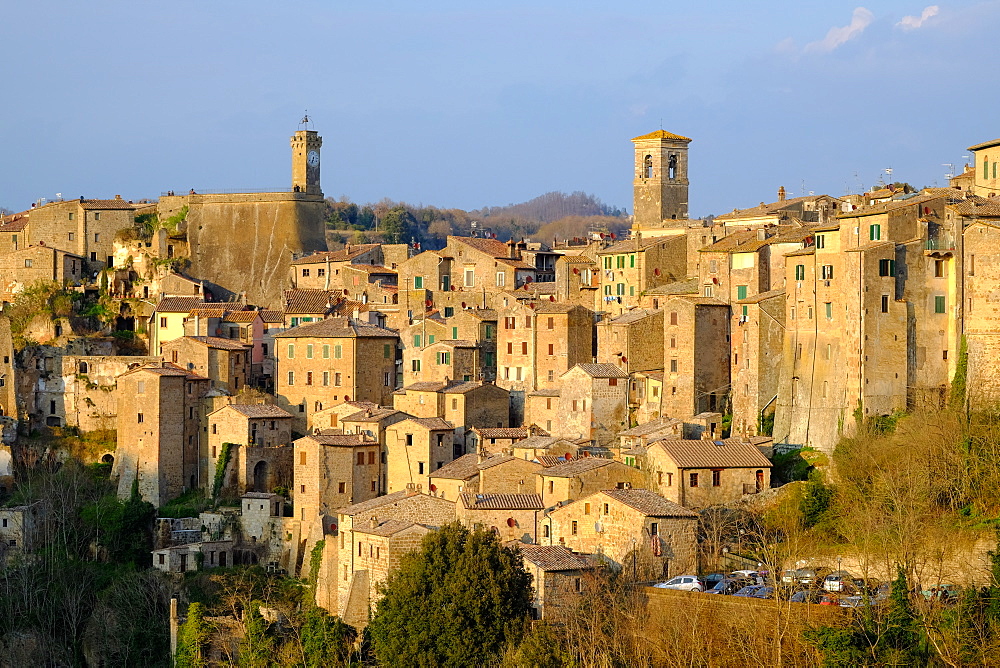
305	161
661	181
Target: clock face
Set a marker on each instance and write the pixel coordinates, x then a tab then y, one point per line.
312	158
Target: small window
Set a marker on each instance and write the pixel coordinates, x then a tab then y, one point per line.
418	282
139	418
291	377
673	366
693	480
741	292
938	268
826	272
716	478
800	272
291	351
939	304
829	310
302	458
338	351
27	263
341	487
875	232
820	241
574	528
612	382
886	267
885	303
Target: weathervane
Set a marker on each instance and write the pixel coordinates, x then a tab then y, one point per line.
305	122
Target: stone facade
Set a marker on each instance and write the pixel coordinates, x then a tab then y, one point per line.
414	448
696	355
333	471
226	363
703	473
21	530
661	180
27	266
633	341
89	400
577	478
593	403
261	436
631	268
511	516
507	474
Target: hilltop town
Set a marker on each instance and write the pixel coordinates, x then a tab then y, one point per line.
318	411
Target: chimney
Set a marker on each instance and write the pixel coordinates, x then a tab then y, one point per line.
761	234
781	194
512	249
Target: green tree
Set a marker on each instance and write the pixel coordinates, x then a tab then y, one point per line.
326	640
398	225
192	638
816	498
899	642
258	646
458	601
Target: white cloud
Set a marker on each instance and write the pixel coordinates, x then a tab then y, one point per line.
860	19
914	22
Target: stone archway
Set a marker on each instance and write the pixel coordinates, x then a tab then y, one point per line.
108	459
260	475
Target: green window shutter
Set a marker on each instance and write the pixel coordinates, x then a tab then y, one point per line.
939	304
621	288
829	310
326	351
986	168
338	351
454	332
447	358
430	339
291	351
416	340
745	310
741	292
631	261
418	282
631	291
449	311
800	272
309	351
385	351
607	289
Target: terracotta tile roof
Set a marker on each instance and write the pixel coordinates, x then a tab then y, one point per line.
985	207
311	301
166	369
601	370
635	315
272	316
463	468
630	245
389	528
648	503
372	504
659	424
575	467
454	343
516	264
576	259
555	558
432	423
557	307
703	454
549	460
371	415
544	393
537	442
242	316
259	410
492	247
426	386
342	255
762	296
730	241
372	269
258	495
340	440
502	501
495	460
885	207
984	145
517	433
771	209
347	307
661	134
811	250
180	304
209	312
336	328
686	287
15	224
463	387
480	313
106	204
214	342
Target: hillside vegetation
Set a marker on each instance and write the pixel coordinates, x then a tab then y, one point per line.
550	215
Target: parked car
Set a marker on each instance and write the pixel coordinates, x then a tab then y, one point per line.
744	574
712	579
748	591
728	586
839	581
805	596
765	591
682	583
829	599
811	576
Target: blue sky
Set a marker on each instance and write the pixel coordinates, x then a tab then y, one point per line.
467	104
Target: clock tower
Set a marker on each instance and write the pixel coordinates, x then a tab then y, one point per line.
305	161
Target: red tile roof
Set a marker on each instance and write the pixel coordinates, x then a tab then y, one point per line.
555	558
648	503
502	501
699	454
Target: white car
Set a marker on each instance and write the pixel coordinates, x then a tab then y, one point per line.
683	583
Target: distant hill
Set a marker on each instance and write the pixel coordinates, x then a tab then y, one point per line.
551	207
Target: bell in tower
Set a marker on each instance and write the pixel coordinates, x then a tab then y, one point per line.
661	180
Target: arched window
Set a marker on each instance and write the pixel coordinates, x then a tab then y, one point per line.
84	368
647	167
672	166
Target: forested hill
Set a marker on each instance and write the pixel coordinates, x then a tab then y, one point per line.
551	207
543	218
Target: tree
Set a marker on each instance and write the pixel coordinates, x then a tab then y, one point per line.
326	640
456	602
258	646
192	639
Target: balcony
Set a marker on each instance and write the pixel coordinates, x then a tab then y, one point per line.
939	245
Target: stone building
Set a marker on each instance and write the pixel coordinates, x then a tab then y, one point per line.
414	448
329	419
702	473
87	394
627	528
696	355
632	267
225	362
322	270
758	327
259	438
645	396
593	403
29	265
469	405
346	569
372	422
169	319
559	579
194	556
578	281
581	477
507	474
159	431
21	530
511	516
444	360
986	157
632	341
455	477
535	346
322	363
332	471
982	320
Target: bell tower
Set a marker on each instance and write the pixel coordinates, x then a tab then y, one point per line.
305	160
661	180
